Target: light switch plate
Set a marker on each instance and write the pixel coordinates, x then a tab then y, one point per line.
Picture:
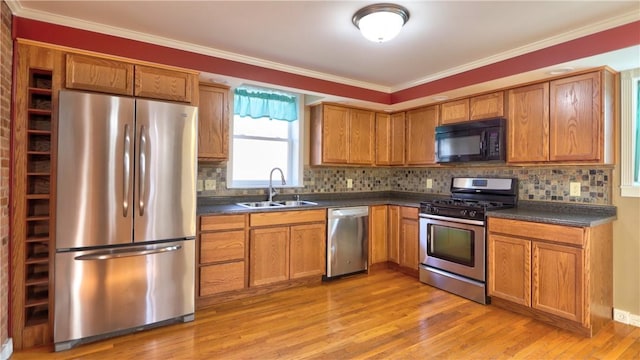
349	183
200	185
429	183
209	184
574	189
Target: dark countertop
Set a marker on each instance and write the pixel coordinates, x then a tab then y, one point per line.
558	213
568	214
227	205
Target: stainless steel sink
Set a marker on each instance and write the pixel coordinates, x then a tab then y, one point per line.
275	204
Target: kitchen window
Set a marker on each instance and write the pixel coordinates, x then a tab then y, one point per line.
266	133
630	133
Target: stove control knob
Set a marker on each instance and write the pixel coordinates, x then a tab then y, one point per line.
463	212
472	213
435	210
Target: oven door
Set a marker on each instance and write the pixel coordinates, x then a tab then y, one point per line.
453	245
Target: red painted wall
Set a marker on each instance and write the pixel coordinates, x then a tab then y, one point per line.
605	41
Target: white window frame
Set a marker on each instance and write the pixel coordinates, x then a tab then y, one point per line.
628	106
295	179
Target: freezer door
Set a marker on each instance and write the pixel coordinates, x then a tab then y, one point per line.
99	292
165	203
95	170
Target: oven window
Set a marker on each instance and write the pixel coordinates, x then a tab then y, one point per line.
452	244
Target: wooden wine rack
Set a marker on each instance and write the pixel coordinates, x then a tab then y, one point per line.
38	198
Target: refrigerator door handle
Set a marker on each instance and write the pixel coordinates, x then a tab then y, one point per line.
127	170
115	254
143	170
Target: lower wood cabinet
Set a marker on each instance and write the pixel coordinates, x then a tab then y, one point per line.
286	245
558	274
394	236
221	254
409	238
378	234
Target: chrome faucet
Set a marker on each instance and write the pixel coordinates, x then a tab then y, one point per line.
272	191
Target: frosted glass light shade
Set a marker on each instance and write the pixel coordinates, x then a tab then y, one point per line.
380	22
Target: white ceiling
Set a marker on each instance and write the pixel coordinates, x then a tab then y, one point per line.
317	38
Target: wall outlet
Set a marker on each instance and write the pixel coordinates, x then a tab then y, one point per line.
200	185
621	316
349	183
209	184
429	183
574	189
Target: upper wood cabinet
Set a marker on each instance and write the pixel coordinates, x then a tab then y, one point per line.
578	123
487	106
565	120
528	123
420	127
106	75
390	139
213	123
99	74
454	111
157	83
342	135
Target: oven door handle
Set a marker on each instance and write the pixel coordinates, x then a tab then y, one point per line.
452	219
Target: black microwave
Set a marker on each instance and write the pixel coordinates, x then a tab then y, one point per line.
481	140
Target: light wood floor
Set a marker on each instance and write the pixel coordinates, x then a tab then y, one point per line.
384	315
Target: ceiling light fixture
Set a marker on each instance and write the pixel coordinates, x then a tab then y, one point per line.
380	22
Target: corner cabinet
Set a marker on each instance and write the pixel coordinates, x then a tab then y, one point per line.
213	123
342	135
558	274
390	139
420	133
38	78
403	238
567	120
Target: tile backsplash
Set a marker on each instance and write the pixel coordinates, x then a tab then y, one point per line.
535	183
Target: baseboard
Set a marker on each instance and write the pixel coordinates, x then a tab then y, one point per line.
626	317
7	350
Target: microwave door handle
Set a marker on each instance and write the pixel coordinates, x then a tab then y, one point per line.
483	143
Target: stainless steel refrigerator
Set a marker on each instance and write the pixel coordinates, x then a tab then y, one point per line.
126	215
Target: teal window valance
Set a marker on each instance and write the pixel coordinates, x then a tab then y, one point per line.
258	104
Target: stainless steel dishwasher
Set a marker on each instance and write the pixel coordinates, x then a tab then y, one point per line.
347	238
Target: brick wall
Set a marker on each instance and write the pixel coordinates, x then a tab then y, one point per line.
6	59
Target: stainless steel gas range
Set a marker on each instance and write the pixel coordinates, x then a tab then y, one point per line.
453	234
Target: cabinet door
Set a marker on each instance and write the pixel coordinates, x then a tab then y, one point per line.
268	255
394	233
558	285
528	127
487	106
576	118
308	255
420	135
454	111
409	243
213	123
509	268
97	74
361	137
164	84
378	234
390	139
335	136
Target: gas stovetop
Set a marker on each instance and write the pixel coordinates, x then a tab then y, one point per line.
471	198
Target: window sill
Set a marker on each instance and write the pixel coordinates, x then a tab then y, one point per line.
629	191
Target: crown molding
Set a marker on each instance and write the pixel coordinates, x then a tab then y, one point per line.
18	10
538	45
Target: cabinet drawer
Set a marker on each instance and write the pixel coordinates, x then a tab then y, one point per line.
409	212
222	246
287	217
222	222
220	278
549	232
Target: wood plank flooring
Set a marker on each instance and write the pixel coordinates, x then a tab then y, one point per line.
383	315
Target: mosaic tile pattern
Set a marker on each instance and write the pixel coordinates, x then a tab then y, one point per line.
535	183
